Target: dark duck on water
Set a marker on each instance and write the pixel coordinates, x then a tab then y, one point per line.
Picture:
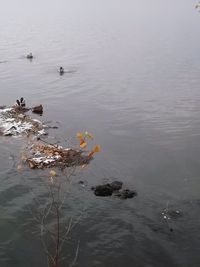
29	56
61	71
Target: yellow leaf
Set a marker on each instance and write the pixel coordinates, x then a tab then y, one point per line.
80	135
53	173
89	135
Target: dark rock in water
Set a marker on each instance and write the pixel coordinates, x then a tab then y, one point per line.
116	185
38	109
113	188
103	190
126	193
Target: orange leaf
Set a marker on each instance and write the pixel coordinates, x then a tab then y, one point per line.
83	144
97	149
91	154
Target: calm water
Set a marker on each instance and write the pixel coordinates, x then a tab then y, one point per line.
134	83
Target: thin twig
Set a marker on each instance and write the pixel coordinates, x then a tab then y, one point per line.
48	143
76	255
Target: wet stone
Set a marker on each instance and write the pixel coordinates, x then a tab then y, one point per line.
103	190
116	185
113	188
38	109
126	193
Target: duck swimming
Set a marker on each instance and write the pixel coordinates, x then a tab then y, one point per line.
61	71
17	102
21	102
29	56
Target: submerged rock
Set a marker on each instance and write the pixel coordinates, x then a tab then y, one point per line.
103	190
116	185
107	189
126	193
38	109
113	188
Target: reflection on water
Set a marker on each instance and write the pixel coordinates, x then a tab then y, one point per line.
132	79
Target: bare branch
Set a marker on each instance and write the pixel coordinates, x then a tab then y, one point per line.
76	255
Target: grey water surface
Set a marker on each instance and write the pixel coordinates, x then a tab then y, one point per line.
133	80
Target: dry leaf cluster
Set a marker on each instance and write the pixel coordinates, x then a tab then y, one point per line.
46	156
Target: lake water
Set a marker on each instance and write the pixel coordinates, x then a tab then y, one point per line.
133	81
